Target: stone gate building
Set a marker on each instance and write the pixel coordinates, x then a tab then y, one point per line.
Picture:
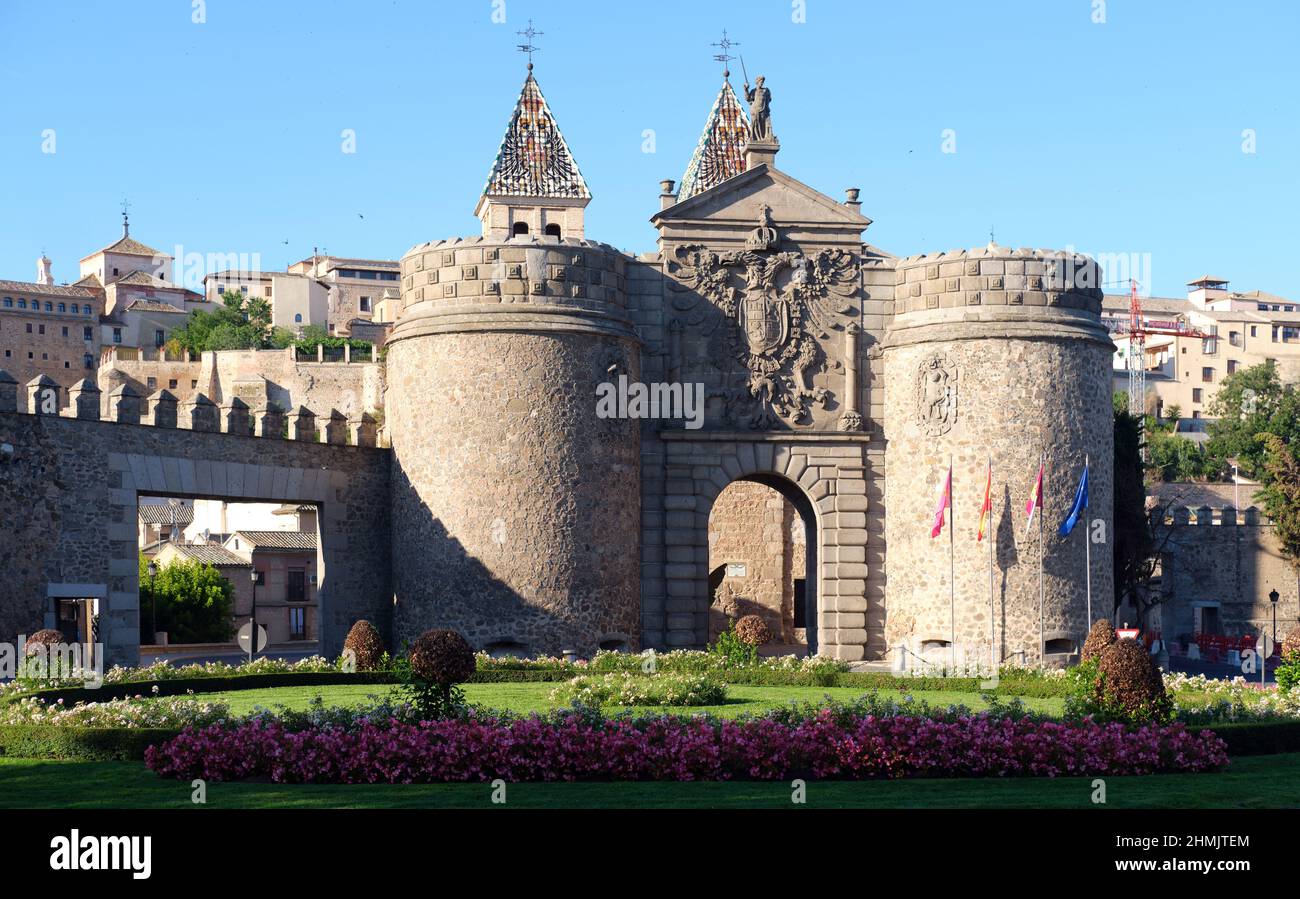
503	503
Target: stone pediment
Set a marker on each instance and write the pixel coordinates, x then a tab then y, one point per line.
726	213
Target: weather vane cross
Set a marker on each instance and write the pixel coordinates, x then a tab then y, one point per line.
725	56
528	46
126	221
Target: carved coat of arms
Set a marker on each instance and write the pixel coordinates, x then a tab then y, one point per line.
775	306
936	394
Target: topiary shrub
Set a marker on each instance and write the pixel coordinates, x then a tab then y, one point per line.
365	646
1128	686
438	660
753	630
1101	636
42	640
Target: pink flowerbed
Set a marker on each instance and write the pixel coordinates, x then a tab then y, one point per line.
671	748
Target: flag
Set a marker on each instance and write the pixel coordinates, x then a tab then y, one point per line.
944	500
987	508
1080	503
1036	500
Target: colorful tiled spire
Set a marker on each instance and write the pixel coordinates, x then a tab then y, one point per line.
720	154
534	160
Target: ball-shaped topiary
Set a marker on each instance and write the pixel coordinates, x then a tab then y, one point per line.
42	640
1129	684
442	657
365	645
752	629
1101	636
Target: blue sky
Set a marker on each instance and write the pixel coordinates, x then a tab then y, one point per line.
1119	138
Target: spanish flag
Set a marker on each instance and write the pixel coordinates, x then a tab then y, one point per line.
987	509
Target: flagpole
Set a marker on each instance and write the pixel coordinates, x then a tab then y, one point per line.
1087	551
1042	637
993	625
952	571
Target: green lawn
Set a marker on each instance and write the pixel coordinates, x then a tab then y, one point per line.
525	697
1260	782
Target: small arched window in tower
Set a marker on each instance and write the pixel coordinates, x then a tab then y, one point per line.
519	228
1059	646
297	318
553	230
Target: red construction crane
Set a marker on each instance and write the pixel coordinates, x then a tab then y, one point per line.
1138	329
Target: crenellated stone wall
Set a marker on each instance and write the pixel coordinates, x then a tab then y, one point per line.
70	487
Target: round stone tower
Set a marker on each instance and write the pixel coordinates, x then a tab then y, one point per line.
996	356
516	509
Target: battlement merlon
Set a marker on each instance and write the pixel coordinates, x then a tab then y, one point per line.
124	405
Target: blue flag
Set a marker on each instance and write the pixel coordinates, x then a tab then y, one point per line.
1080	503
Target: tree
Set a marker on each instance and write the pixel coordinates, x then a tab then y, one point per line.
193	602
239	323
1250	402
1172	414
1176	458
1281	494
1133	544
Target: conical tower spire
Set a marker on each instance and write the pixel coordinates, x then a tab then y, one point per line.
533	171
720	153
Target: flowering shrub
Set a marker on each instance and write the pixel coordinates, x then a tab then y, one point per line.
162	670
174	712
576	745
632	689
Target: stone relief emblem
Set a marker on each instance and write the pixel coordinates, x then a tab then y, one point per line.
775	306
936	394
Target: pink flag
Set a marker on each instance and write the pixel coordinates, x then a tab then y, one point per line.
944	499
1035	500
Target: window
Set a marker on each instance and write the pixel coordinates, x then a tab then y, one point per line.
87	333
9	302
114	271
65	331
22	304
159	338
41	329
519	228
117	335
1196	394
88	361
29	327
296	587
171	383
86	309
1207	375
153	384
1196	413
1254	331
297	318
1232	366
63	307
298	624
365	304
194	385
8	353
49	307
1234	338
261	575
553	230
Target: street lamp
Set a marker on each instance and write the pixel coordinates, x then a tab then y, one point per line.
1273	597
252	618
153	598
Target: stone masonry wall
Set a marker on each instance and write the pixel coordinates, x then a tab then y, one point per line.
988	356
70	490
750	525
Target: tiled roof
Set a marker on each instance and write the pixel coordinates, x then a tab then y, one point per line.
153	306
47	290
139	277
720	153
212	554
92	280
534	160
161	513
129	246
278	539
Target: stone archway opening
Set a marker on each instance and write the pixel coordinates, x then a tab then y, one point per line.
762	561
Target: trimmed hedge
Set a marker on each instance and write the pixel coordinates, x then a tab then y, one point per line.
1256	737
89	744
181	686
